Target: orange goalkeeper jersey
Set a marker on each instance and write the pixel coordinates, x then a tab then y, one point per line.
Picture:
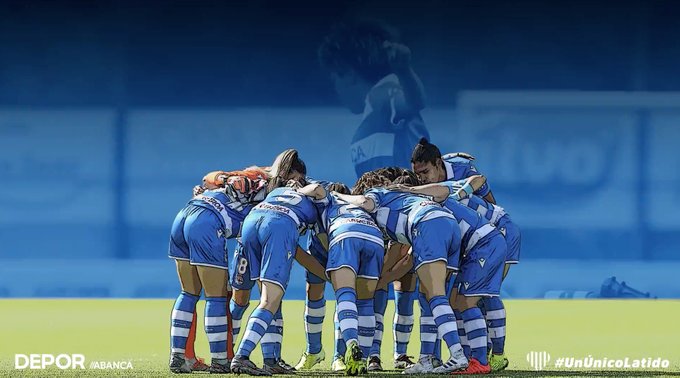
217	179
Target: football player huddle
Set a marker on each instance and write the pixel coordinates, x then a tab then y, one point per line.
435	231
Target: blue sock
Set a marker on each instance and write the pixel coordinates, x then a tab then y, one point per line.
446	323
314	315
482	307
258	323
379	307
461	333
475	329
180	320
278	321
428	330
340	346
450	285
216	326
403	321
237	312
495	319
348	315
271	341
366	325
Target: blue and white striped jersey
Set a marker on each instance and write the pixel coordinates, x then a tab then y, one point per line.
492	213
288	201
472	226
396	212
387	134
459	168
231	212
342	220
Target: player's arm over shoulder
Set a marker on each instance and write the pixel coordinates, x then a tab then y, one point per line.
365	202
315	191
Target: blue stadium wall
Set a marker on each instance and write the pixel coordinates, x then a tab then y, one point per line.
88	194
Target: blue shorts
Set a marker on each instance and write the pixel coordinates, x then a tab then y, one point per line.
240	270
433	241
317	251
481	271
512	237
363	256
197	236
269	244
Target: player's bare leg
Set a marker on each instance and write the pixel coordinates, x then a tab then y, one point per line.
214	282
186	361
344	283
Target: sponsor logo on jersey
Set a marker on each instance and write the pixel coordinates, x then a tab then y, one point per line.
212	202
482	261
364	222
268	206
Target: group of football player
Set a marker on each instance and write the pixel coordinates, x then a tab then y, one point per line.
434	232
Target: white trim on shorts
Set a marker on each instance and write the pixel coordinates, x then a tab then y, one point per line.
338	268
512	262
369	277
479	295
274	282
178	258
210	265
444	259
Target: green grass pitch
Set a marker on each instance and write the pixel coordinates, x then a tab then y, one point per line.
138	331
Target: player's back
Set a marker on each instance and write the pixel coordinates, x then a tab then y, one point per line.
470	223
288	201
492	213
397	212
232	212
342	219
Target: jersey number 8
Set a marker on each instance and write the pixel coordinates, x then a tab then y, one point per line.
242	266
